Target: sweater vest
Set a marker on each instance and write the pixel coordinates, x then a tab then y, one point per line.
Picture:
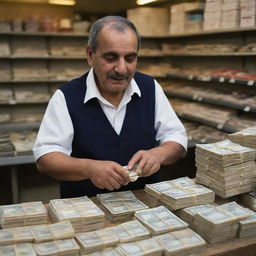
95	138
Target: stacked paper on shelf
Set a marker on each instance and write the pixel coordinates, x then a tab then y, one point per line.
5	70
226	167
220	223
120	206
15	235
24	214
83	214
249	199
160	220
106	252
5	95
181	243
59	247
248	13
56	231
96	240
131	231
246	137
4	46
147	247
6	146
247	227
18	250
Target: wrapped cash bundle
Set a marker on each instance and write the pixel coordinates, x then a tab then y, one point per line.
24	214
226	167
82	212
18	250
249	199
120	206
106	252
160	220
247	227
180	193
181	242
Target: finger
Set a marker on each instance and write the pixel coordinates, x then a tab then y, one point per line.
141	166
112	184
122	176
136	158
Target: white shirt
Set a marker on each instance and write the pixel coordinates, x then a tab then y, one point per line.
56	130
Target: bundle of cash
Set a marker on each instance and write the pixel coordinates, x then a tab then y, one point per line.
220	223
6	146
131	231
83	214
245	137
247	227
160	220
132	173
106	252
181	242
24	214
147	247
16	235
17	250
56	231
120	206
249	199
226	167
96	240
58	247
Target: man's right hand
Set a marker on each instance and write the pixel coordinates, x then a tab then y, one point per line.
108	175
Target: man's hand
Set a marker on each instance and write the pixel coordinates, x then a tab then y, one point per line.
107	174
147	163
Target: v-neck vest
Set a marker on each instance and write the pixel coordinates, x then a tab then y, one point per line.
95	138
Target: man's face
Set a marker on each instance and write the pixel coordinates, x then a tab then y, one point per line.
114	60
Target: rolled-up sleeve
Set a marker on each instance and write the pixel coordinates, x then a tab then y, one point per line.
167	124
56	130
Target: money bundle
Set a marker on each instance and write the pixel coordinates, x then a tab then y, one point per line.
105	252
160	220
15	235
131	231
96	240
226	167
56	231
220	223
83	214
132	173
249	199
181	242
17	250
247	227
147	247
24	214
6	146
58	247
245	137
120	206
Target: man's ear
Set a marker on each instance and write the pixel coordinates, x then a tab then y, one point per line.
89	53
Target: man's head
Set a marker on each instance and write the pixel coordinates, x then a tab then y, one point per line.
112	51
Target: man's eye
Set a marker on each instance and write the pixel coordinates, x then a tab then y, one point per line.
130	58
110	58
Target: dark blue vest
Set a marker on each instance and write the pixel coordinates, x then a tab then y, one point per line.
95	138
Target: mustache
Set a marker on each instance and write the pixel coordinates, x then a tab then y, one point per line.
118	76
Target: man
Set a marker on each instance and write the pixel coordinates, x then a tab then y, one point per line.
110	117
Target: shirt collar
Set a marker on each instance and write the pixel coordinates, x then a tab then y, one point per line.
92	90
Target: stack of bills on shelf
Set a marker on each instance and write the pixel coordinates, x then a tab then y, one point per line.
59	247
83	214
247	227
147	247
18	250
96	240
246	137
6	146
24	214
5	117
160	220
4	46
188	196
56	231
106	252
6	94
120	206
226	167
181	242
15	235
249	199
220	223
131	231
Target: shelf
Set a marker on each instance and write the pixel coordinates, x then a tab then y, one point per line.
16	160
213	79
55	34
212	101
33	81
6	127
14	102
198	54
49	57
220	127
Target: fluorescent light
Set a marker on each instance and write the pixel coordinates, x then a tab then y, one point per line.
62	2
142	2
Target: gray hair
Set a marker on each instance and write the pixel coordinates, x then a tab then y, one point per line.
116	22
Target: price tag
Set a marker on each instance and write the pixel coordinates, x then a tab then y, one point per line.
206	78
12	102
219	126
247	109
250	82
222	79
232	80
190	77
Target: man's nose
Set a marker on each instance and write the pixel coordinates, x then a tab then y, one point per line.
120	67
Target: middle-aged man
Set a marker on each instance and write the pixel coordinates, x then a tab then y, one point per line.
109	117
